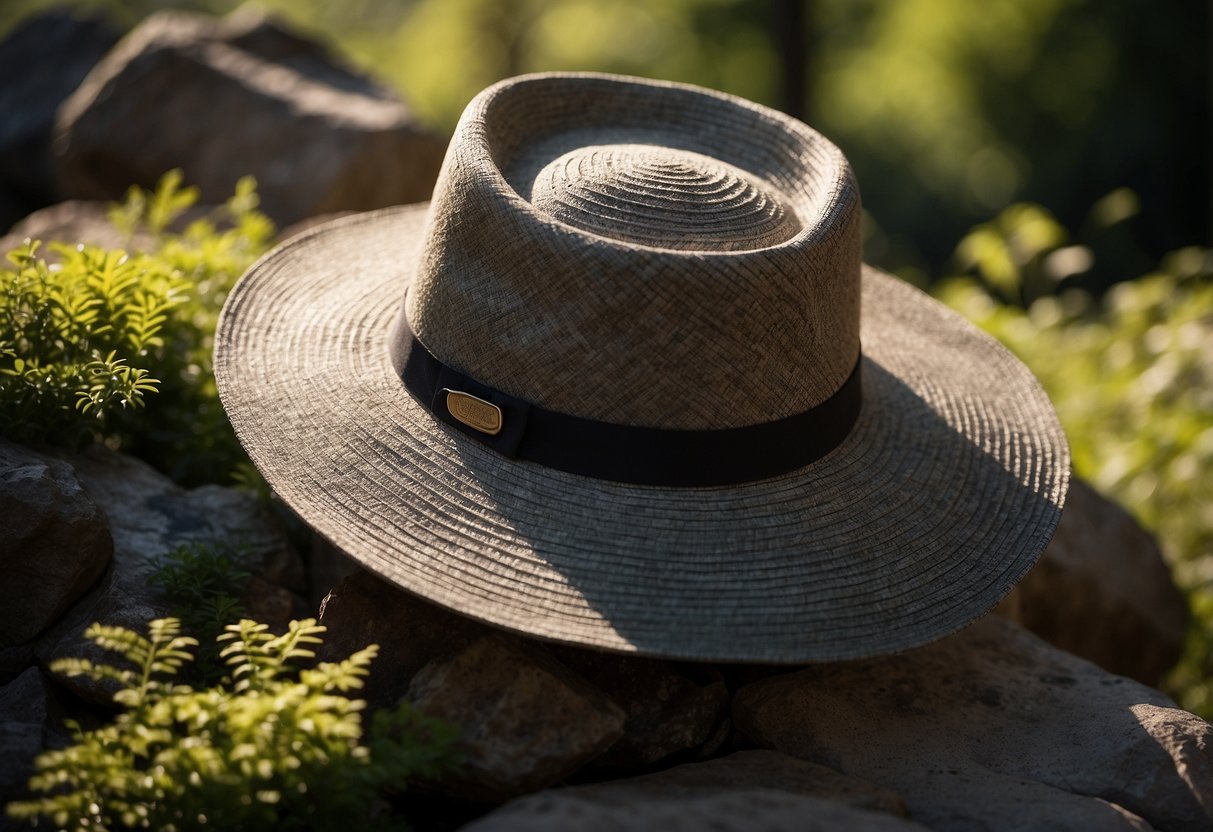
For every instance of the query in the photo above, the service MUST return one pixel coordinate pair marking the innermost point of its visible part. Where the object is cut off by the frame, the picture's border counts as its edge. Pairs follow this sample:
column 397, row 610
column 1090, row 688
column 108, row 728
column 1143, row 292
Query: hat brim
column 940, row 500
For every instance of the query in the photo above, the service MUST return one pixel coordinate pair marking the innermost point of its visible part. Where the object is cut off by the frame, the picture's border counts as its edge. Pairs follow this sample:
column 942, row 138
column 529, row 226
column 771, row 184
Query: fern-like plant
column 86, row 340
column 274, row 747
column 75, row 339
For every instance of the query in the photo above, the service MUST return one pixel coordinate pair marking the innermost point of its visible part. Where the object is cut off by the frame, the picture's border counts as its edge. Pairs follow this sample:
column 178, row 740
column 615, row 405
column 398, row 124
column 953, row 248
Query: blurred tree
column 950, row 110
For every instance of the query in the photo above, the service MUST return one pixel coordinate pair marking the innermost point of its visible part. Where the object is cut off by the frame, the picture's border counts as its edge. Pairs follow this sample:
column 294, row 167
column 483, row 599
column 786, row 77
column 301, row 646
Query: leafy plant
column 83, row 342
column 203, row 583
column 1131, row 376
column 274, row 747
column 75, row 340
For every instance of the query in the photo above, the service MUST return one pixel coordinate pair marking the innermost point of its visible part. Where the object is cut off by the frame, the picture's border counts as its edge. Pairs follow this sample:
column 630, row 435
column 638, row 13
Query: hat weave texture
column 656, row 255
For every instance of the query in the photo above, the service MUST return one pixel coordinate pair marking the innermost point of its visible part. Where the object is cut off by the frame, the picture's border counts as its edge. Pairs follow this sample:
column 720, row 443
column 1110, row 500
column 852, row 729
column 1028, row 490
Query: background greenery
column 1064, row 143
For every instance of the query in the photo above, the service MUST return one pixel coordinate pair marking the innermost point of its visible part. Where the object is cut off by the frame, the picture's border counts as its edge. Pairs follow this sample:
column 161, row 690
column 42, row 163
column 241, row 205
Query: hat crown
column 662, row 197
column 641, row 253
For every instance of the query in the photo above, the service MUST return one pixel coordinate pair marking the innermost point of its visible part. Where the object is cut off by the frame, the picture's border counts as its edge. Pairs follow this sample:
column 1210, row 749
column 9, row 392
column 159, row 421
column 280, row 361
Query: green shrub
column 85, row 340
column 202, row 583
column 1131, row 375
column 75, row 340
column 275, row 747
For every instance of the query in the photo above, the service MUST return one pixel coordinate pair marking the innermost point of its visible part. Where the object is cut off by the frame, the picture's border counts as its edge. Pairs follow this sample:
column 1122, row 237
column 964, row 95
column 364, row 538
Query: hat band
column 623, row 453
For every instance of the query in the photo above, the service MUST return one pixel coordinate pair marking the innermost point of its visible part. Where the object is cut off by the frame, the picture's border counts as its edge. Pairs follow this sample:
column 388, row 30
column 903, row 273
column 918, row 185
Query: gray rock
column 74, row 221
column 526, row 720
column 54, row 541
column 149, row 515
column 84, row 221
column 327, row 566
column 1103, row 591
column 42, row 60
column 753, row 770
column 364, row 609
column 743, row 810
column 993, row 729
column 745, row 791
column 670, row 708
column 24, row 708
column 224, row 98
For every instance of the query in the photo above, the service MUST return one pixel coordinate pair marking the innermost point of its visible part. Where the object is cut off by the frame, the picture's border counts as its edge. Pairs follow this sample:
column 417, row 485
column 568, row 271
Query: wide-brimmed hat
column 626, row 383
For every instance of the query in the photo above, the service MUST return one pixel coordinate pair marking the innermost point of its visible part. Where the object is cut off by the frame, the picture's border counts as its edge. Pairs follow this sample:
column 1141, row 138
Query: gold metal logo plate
column 473, row 412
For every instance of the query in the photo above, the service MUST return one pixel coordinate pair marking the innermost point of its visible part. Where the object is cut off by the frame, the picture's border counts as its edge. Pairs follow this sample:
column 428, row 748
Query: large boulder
column 744, row 791
column 241, row 95
column 1103, row 591
column 994, row 729
column 42, row 60
column 526, row 721
column 54, row 542
column 670, row 709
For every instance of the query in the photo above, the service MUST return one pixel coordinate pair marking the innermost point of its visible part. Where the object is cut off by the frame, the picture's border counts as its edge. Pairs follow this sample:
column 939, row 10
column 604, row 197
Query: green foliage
column 75, row 339
column 202, row 584
column 274, row 747
column 1131, row 375
column 85, row 340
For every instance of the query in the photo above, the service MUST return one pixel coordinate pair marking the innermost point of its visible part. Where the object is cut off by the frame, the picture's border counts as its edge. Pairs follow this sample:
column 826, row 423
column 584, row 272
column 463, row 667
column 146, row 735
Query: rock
column 747, row 790
column 364, row 609
column 149, row 516
column 1103, row 591
column 272, row 604
column 224, row 98
column 755, row 770
column 526, row 721
column 670, row 708
column 729, row 811
column 24, row 709
column 54, row 541
column 74, row 221
column 85, row 221
column 42, row 60
column 993, row 729
column 327, row 566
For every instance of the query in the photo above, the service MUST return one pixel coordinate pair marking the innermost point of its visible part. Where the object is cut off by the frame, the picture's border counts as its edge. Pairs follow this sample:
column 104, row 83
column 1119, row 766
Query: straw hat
column 607, row 389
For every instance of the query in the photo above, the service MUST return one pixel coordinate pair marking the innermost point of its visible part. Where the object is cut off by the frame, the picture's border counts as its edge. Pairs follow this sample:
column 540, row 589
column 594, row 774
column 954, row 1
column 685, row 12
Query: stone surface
column 745, row 791
column 671, row 708
column 755, row 770
column 85, row 221
column 54, row 541
column 24, row 708
column 994, row 729
column 1103, row 591
column 74, row 221
column 224, row 98
column 327, row 566
column 149, row 515
column 527, row 721
column 42, row 61
column 364, row 609
column 729, row 811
